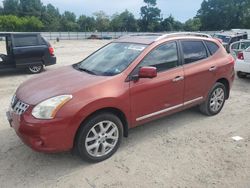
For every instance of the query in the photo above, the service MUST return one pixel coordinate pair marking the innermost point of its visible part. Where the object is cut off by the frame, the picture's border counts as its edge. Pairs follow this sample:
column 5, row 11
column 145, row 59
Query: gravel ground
column 183, row 150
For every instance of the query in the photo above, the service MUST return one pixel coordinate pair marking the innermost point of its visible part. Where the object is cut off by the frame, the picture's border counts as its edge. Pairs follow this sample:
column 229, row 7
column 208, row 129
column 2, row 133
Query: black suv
column 29, row 51
column 230, row 37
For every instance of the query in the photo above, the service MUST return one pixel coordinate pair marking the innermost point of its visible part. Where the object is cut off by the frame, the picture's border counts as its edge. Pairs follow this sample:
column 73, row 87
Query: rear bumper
column 50, row 61
column 242, row 66
column 48, row 136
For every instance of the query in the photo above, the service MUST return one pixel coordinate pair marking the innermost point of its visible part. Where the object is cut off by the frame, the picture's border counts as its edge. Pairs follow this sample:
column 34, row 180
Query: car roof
column 231, row 33
column 149, row 38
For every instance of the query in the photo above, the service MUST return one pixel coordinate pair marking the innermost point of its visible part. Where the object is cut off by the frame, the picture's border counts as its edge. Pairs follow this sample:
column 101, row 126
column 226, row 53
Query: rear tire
column 99, row 138
column 35, row 69
column 241, row 74
column 215, row 100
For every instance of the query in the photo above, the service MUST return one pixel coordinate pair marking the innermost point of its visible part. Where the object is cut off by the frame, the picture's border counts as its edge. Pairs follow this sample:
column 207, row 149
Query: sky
column 182, row 10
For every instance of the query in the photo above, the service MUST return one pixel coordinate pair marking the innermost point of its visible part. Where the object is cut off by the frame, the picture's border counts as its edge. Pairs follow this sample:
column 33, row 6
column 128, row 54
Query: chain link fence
column 86, row 35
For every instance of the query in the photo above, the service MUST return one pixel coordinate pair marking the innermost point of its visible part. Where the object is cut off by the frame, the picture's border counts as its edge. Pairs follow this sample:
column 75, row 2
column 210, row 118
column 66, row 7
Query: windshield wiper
column 86, row 70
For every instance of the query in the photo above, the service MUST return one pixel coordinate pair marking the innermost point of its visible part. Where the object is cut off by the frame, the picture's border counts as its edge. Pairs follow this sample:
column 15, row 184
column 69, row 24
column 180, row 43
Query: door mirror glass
column 147, row 72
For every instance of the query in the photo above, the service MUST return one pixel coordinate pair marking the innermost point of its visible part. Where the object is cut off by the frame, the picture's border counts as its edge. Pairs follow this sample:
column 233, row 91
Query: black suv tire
column 35, row 69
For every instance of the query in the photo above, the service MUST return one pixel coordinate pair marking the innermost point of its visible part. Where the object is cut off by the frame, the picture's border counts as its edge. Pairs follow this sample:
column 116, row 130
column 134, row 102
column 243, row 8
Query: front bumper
column 49, row 136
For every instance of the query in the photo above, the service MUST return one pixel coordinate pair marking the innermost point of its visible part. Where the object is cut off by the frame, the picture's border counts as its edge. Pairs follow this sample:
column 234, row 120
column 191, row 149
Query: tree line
column 33, row 15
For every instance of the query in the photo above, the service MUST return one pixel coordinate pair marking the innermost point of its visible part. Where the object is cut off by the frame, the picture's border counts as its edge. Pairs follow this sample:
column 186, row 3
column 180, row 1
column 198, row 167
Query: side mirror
column 147, row 72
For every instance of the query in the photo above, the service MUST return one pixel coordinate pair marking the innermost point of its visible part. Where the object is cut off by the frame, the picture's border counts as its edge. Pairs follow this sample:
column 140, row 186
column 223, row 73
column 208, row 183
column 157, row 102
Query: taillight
column 240, row 56
column 51, row 51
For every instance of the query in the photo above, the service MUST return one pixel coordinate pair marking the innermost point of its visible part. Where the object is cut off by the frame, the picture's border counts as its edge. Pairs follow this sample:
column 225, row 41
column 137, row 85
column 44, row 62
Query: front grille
column 18, row 106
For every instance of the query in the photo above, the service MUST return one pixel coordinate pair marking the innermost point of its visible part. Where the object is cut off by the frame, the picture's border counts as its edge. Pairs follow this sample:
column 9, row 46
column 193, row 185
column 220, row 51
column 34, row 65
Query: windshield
column 112, row 59
column 225, row 39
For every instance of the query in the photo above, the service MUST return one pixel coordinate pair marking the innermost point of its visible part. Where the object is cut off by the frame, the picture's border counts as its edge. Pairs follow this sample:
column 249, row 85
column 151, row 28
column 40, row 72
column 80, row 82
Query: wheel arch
column 225, row 82
column 112, row 110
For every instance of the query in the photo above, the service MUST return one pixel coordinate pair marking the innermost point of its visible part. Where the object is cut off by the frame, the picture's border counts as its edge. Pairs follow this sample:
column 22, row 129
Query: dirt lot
column 184, row 150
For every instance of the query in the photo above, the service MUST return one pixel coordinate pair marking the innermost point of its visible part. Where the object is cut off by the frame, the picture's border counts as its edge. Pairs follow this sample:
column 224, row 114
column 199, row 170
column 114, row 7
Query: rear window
column 245, row 45
column 235, row 46
column 193, row 51
column 212, row 47
column 25, row 40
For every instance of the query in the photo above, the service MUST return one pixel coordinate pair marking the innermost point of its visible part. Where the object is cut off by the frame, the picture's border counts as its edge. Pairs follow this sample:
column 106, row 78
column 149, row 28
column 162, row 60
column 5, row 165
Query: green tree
column 224, row 14
column 102, row 21
column 31, row 24
column 86, row 23
column 170, row 24
column 10, row 23
column 124, row 22
column 31, row 8
column 10, row 7
column 150, row 16
column 14, row 23
column 51, row 18
column 193, row 24
column 68, row 22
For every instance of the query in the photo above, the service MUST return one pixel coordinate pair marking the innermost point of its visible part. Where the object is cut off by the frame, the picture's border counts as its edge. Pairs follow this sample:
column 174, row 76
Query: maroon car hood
column 66, row 80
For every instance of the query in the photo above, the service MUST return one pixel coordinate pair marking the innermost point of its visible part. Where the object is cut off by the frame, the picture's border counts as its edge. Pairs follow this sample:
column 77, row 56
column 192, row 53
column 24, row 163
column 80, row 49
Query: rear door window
column 25, row 40
column 212, row 47
column 193, row 51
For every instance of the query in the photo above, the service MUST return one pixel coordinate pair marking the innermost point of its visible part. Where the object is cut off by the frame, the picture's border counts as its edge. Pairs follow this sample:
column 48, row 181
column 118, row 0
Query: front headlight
column 48, row 108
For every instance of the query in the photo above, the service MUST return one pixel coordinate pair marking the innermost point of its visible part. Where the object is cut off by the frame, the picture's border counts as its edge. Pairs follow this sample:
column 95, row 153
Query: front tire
column 100, row 137
column 215, row 101
column 35, row 69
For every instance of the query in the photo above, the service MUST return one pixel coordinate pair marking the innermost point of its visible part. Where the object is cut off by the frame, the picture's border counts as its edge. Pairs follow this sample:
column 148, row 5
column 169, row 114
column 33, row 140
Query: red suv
column 91, row 105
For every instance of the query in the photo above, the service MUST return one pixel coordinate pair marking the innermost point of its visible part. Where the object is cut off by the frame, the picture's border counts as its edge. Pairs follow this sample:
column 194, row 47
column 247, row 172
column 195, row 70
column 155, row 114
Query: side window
column 235, row 46
column 193, row 51
column 25, row 40
column 234, row 39
column 212, row 47
column 163, row 57
column 245, row 45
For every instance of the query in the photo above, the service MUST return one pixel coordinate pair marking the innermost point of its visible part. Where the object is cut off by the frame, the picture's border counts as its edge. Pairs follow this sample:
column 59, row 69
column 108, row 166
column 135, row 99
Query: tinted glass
column 112, row 59
column 235, row 46
column 234, row 39
column 28, row 40
column 225, row 39
column 245, row 45
column 163, row 58
column 193, row 51
column 212, row 47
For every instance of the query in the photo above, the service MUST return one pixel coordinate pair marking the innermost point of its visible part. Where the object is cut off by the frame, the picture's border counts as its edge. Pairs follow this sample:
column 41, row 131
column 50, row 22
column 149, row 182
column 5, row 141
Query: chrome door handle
column 212, row 69
column 178, row 78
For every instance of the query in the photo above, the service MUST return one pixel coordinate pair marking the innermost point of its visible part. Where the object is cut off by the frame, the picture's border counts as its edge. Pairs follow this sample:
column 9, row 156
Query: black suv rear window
column 193, row 51
column 212, row 47
column 25, row 40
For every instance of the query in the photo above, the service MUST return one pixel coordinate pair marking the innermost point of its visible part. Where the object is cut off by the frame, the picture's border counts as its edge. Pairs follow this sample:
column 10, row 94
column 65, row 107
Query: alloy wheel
column 102, row 138
column 35, row 69
column 217, row 100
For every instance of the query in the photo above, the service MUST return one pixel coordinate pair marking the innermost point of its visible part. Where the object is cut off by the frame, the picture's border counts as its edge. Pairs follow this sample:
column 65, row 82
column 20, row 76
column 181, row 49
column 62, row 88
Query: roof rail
column 184, row 34
column 143, row 34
